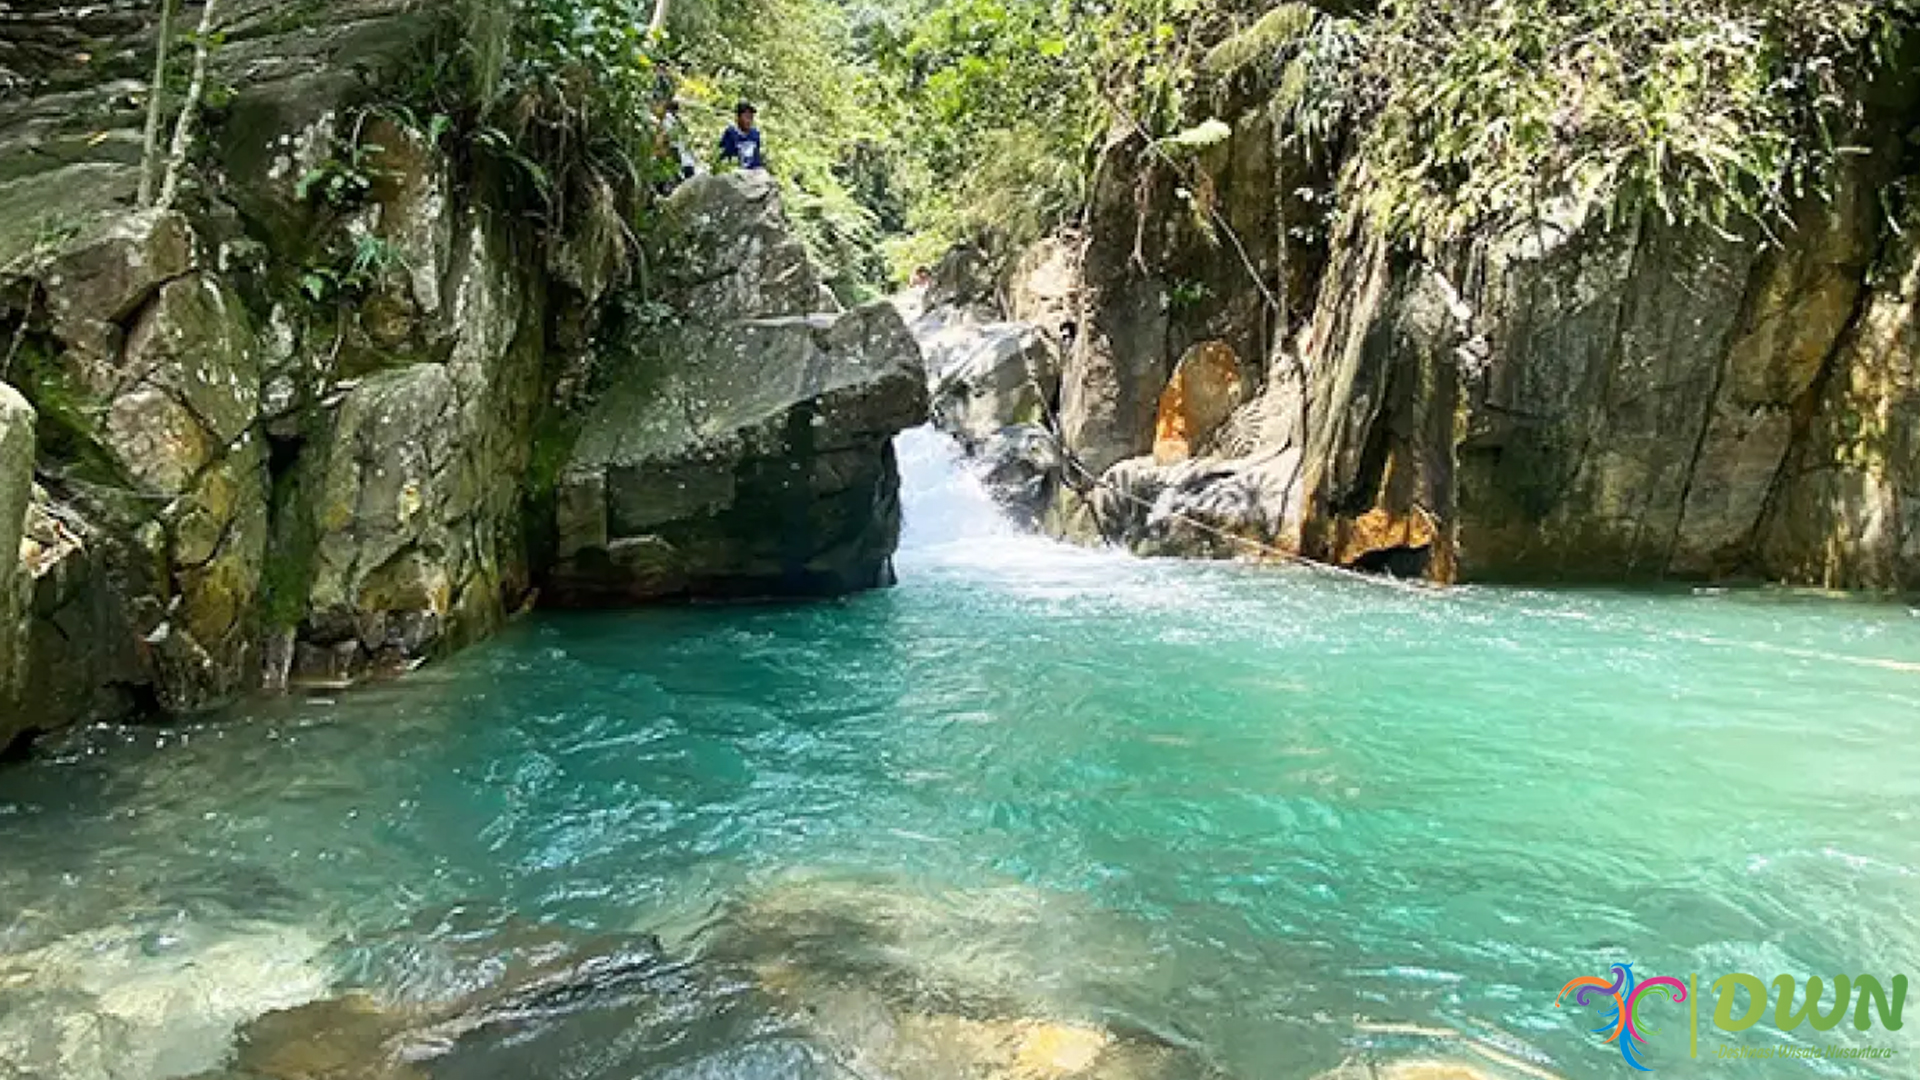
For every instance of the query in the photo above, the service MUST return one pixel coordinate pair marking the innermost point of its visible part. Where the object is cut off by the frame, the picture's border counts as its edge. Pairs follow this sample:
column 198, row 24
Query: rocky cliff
column 748, row 448
column 1575, row 397
column 346, row 403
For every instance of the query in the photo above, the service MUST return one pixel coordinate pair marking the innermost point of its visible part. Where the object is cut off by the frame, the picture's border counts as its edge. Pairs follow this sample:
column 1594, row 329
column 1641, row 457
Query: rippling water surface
column 1254, row 823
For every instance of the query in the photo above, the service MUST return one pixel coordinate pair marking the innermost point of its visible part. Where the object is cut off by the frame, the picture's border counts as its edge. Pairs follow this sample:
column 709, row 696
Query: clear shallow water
column 1276, row 820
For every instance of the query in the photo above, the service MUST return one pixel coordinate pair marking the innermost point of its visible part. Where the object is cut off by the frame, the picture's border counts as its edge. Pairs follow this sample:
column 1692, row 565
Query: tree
column 149, row 157
column 196, row 90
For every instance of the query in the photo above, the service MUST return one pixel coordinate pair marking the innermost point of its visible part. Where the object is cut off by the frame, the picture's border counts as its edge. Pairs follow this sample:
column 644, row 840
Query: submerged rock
column 881, row 1040
column 929, row 985
column 130, row 1004
column 1415, row 1070
column 811, row 976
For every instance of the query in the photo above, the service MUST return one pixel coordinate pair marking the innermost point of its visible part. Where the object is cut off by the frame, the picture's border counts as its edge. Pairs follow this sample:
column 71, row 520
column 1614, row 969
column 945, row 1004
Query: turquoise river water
column 1037, row 812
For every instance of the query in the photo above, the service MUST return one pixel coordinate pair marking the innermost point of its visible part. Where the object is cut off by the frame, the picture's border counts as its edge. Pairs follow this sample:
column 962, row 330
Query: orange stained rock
column 1380, row 529
column 1204, row 390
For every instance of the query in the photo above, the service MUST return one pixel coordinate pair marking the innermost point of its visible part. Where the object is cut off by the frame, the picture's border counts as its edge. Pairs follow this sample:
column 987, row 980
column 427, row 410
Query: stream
column 1037, row 812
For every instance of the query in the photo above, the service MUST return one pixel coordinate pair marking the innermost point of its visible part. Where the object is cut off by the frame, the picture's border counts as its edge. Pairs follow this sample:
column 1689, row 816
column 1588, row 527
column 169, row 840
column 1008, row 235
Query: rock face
column 1200, row 397
column 995, row 388
column 16, row 585
column 995, row 381
column 747, row 450
column 290, row 432
column 256, row 465
column 1574, row 399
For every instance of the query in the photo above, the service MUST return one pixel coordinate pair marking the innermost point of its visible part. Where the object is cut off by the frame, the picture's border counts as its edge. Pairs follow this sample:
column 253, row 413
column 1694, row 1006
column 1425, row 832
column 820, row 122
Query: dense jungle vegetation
column 901, row 126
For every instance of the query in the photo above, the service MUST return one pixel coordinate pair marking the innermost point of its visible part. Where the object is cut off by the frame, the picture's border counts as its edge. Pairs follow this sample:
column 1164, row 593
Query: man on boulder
column 740, row 143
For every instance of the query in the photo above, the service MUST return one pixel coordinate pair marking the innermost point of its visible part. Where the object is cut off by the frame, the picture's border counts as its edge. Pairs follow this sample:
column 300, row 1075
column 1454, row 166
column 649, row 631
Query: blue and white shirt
column 742, row 146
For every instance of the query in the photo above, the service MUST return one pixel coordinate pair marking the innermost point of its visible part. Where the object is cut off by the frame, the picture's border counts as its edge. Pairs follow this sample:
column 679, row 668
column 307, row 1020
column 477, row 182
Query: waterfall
column 942, row 501
column 952, row 527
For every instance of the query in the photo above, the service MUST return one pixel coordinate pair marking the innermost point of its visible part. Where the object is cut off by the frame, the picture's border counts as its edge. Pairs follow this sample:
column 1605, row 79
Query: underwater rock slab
column 809, row 976
column 130, row 1003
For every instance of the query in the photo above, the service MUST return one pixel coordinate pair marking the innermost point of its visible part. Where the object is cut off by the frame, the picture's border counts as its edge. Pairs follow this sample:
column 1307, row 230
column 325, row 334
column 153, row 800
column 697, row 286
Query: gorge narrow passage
column 1037, row 812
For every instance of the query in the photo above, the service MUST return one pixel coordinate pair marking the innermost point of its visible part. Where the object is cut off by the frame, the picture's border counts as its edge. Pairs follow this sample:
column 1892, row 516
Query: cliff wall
column 318, row 418
column 1578, row 397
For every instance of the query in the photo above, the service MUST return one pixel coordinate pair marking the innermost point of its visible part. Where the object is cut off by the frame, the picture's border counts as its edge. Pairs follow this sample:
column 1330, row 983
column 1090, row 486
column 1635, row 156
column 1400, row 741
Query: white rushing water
column 943, row 502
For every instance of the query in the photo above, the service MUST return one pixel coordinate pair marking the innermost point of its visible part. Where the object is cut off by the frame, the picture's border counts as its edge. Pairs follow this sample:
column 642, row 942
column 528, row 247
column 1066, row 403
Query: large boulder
column 73, row 656
column 1003, row 374
column 723, row 250
column 746, row 451
column 1246, row 508
column 1021, row 467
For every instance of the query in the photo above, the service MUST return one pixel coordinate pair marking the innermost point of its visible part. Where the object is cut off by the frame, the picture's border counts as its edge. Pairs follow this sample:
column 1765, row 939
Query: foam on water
column 943, row 505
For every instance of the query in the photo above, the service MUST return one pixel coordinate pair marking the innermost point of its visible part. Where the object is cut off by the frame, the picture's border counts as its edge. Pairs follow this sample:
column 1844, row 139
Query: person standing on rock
column 740, row 143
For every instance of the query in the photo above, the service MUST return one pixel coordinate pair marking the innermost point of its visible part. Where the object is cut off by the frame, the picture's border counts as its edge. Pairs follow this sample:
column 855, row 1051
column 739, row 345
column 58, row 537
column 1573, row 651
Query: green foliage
column 1448, row 116
column 1468, row 113
column 1188, row 294
column 68, row 418
column 1006, row 104
column 564, row 94
column 356, row 274
column 1280, row 27
column 559, row 93
column 340, row 182
column 820, row 108
column 900, row 126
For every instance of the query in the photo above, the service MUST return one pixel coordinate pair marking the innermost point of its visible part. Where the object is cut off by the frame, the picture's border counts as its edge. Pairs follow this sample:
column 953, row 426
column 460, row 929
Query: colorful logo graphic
column 1620, row 1000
